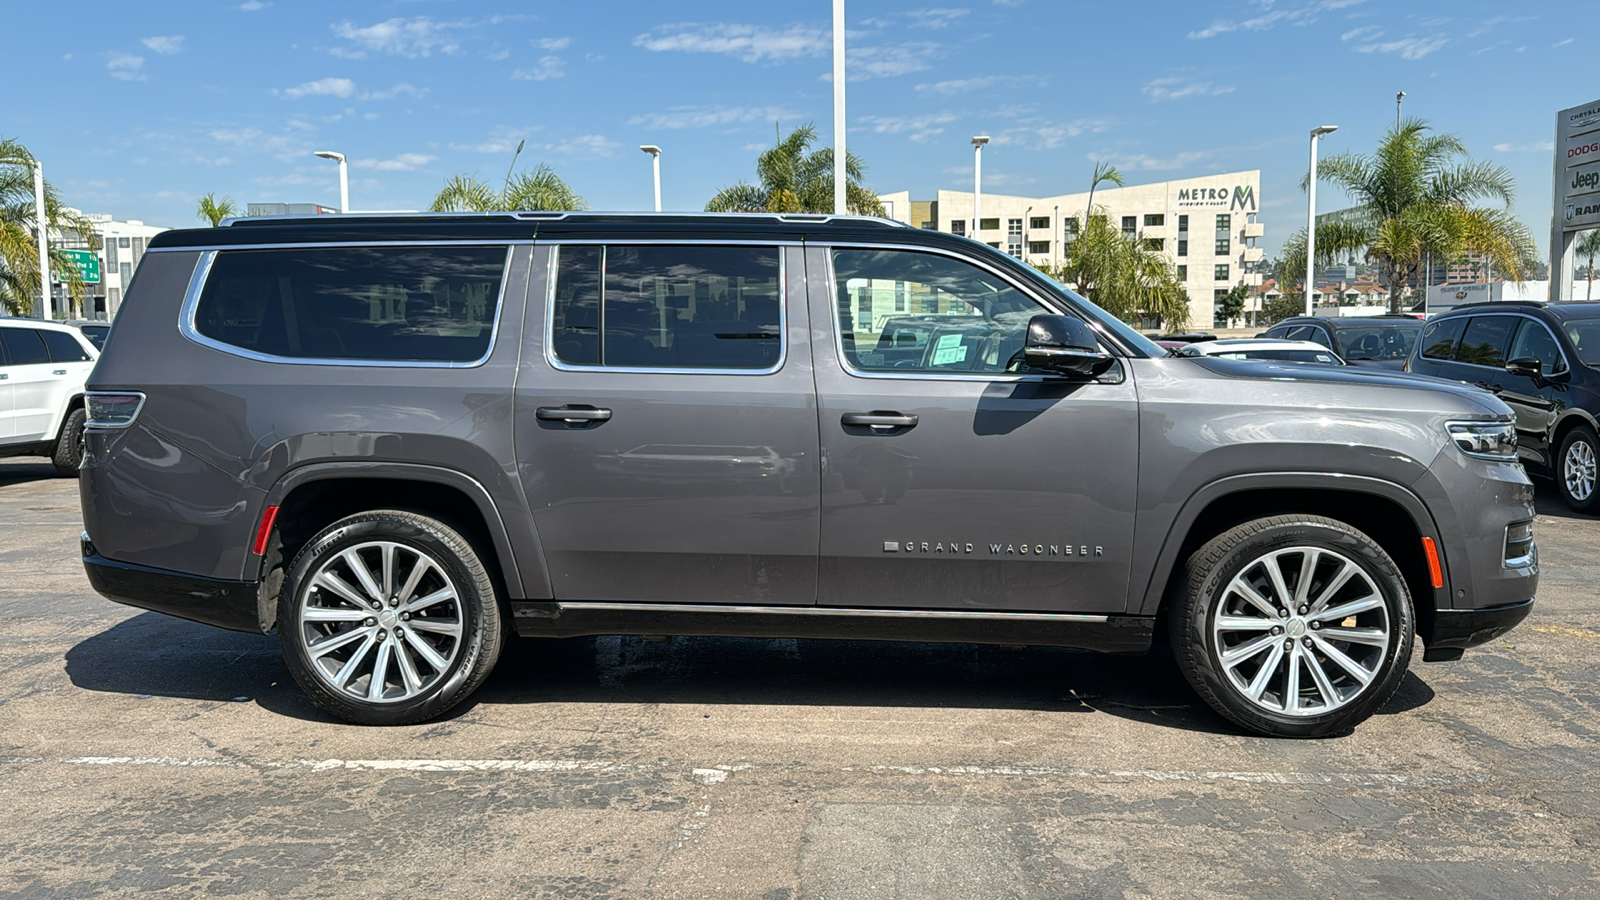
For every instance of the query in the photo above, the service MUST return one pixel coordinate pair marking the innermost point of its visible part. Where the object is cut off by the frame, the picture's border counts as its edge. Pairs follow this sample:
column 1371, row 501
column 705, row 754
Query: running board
column 1108, row 634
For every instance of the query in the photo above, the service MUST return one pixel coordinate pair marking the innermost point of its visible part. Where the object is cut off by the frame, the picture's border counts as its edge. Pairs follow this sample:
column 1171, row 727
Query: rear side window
column 1440, row 338
column 395, row 304
column 24, row 347
column 667, row 307
column 63, row 347
column 1485, row 342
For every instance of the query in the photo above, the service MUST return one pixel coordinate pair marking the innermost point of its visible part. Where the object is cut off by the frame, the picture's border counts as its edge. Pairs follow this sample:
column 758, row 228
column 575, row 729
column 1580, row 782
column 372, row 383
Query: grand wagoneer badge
column 967, row 548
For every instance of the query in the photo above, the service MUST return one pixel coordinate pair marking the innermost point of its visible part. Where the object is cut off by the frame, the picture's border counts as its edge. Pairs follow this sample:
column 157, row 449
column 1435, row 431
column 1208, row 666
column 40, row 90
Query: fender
column 528, row 580
column 1571, row 412
column 1166, row 560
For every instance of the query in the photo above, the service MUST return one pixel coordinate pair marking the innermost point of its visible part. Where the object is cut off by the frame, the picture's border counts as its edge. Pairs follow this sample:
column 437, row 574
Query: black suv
column 1381, row 342
column 1537, row 358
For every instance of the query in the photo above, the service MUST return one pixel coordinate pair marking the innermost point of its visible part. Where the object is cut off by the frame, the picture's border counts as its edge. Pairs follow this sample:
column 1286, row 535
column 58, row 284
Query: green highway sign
column 87, row 262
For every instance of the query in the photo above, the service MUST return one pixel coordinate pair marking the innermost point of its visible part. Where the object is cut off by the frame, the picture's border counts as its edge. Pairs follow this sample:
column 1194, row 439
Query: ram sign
column 1577, row 189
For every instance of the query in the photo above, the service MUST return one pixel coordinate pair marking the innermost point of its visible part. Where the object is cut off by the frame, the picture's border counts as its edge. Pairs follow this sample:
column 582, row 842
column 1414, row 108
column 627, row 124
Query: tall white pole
column 344, row 185
column 1311, row 225
column 977, row 182
column 47, row 310
column 655, row 169
column 839, row 154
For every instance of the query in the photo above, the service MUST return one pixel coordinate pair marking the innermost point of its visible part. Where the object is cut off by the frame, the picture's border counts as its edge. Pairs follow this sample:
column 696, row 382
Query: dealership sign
column 1232, row 197
column 1577, row 168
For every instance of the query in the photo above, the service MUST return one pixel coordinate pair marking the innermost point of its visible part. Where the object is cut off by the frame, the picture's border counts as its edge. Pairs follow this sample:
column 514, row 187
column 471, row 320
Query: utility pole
column 1397, row 98
column 839, row 153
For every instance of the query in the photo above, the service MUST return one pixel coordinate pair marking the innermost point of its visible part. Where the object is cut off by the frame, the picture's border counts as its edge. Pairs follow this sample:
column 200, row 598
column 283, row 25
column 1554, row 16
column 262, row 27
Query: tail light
column 112, row 409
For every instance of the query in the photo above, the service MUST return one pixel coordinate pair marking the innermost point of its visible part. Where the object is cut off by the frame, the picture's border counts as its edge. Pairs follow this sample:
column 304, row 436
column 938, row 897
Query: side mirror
column 1527, row 367
column 1066, row 346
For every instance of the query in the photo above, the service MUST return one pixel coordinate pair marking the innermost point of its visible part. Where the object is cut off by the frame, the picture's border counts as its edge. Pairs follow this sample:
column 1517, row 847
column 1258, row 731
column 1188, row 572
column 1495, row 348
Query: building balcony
column 1255, row 230
column 1254, row 254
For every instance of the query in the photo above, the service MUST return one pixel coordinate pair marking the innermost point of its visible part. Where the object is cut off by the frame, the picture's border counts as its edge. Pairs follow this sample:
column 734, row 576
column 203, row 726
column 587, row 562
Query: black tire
column 69, row 445
column 1246, row 551
column 1573, row 476
column 473, row 611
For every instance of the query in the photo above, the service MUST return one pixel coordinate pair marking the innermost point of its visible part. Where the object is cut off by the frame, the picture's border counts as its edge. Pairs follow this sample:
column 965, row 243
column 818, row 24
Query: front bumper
column 1454, row 630
column 226, row 604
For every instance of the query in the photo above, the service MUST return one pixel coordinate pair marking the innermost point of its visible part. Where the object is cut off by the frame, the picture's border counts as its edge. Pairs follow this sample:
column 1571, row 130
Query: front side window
column 667, row 307
column 1534, row 341
column 1585, row 337
column 1485, row 341
column 24, row 346
column 978, row 324
column 394, row 304
column 1440, row 338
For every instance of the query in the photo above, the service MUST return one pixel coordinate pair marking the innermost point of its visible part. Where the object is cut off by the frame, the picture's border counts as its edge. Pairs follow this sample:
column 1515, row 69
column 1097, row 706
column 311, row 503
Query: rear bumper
column 1454, row 630
column 226, row 604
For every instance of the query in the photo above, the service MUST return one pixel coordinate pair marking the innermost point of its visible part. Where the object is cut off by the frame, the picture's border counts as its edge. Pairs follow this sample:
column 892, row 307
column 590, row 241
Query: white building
column 121, row 249
column 1207, row 226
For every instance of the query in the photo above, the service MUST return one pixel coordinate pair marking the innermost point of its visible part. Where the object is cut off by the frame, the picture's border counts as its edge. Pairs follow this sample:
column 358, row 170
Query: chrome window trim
column 1502, row 369
column 202, row 271
column 838, row 331
column 550, row 306
column 295, row 245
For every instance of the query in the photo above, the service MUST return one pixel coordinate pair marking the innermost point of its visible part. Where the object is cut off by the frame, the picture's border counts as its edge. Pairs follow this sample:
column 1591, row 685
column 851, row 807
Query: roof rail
column 556, row 216
column 1535, row 303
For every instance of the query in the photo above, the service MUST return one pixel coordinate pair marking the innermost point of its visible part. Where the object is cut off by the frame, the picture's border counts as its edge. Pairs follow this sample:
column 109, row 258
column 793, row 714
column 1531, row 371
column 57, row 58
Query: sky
column 139, row 109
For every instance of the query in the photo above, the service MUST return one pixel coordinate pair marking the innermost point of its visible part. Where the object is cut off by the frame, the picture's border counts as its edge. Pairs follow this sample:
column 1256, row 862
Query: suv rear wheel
column 389, row 618
column 1293, row 626
column 1575, row 470
column 69, row 446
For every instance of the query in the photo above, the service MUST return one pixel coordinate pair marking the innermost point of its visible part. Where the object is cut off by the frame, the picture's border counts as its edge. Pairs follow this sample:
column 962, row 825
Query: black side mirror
column 1527, row 367
column 1066, row 346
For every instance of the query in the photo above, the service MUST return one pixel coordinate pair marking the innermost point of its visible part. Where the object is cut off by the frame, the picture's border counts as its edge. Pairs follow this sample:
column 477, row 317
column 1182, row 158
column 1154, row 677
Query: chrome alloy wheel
column 381, row 622
column 1301, row 631
column 1578, row 470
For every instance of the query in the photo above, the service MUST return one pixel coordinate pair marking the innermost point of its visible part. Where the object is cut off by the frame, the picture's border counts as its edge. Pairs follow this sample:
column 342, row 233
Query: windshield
column 1322, row 357
column 1585, row 337
column 1389, row 340
column 1121, row 329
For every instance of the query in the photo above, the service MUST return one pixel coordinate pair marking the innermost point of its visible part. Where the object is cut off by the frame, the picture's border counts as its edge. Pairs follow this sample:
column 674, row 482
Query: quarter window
column 977, row 323
column 63, row 348
column 1440, row 338
column 1485, row 342
column 400, row 304
column 668, row 307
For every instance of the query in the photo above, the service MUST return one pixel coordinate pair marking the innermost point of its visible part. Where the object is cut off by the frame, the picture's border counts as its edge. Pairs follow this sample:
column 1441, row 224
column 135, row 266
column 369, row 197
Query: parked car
column 1264, row 348
column 43, row 367
column 1381, row 342
column 394, row 438
column 93, row 329
column 1539, row 358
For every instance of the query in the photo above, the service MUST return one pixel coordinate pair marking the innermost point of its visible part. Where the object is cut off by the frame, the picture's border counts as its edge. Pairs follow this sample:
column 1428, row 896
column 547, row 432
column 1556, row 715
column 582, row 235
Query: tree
column 214, row 211
column 1103, row 173
column 1589, row 246
column 790, row 180
column 1231, row 304
column 1122, row 276
column 1281, row 307
column 1412, row 198
column 19, row 244
column 540, row 190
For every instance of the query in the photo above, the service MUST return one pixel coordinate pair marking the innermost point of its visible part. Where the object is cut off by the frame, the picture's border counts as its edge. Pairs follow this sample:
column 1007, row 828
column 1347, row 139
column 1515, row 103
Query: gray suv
column 396, row 439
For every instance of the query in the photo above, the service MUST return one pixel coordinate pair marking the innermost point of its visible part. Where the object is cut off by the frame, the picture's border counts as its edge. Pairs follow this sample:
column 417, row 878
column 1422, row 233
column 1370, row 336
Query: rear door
column 8, row 409
column 34, row 383
column 666, row 422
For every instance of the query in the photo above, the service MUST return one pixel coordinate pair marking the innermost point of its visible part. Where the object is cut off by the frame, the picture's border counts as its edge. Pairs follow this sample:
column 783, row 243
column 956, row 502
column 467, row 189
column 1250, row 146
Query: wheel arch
column 1572, row 418
column 1387, row 512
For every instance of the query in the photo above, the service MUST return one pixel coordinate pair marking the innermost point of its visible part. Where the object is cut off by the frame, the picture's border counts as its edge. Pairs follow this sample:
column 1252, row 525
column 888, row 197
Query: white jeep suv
column 42, row 370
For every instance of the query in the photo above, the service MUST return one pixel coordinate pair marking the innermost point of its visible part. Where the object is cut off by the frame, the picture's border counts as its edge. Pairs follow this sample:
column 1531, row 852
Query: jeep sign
column 1576, row 205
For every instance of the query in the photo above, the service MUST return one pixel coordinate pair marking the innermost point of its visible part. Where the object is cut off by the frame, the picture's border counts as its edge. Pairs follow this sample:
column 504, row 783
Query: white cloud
column 889, row 61
column 1177, row 88
column 1142, row 162
column 1563, row 43
column 253, row 5
column 502, row 139
column 400, row 88
column 166, row 45
column 413, row 37
column 1271, row 15
column 1408, row 48
column 749, row 43
column 548, row 67
column 1363, row 33
column 252, row 140
column 560, row 43
column 126, row 66
column 675, row 117
column 405, row 162
column 1533, row 147
column 918, row 128
column 322, row 87
column 584, row 145
column 936, row 18
column 1048, row 135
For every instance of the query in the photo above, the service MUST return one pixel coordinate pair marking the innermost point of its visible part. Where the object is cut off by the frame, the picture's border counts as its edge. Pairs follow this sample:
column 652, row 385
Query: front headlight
column 1489, row 440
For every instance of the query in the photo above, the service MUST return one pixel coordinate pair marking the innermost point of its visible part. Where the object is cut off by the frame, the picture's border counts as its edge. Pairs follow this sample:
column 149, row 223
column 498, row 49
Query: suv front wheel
column 389, row 618
column 1293, row 626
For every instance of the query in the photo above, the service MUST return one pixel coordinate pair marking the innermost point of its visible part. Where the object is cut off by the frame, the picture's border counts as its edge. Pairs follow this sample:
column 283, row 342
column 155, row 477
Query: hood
column 1351, row 375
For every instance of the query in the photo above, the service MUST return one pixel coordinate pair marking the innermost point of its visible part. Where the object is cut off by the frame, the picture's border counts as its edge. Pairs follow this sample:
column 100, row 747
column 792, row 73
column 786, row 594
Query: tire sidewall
column 1195, row 628
column 69, row 444
column 1587, row 435
column 480, row 619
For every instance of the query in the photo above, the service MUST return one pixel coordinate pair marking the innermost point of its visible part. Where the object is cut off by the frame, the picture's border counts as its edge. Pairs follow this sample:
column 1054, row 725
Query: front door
column 666, row 423
column 1536, row 401
column 959, row 480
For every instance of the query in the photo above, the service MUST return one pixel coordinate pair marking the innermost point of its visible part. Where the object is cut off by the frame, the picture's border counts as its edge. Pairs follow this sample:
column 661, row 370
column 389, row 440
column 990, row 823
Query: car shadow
column 157, row 655
column 23, row 469
column 1547, row 502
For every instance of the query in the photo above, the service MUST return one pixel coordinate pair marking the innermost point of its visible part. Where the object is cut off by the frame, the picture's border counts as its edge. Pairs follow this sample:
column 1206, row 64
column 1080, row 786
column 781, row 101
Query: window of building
column 670, row 307
column 1155, row 243
column 1038, row 246
column 1183, row 273
column 113, row 296
column 1154, row 219
column 927, row 226
column 1183, row 247
column 111, row 255
column 1183, row 224
column 124, row 243
column 1130, row 226
column 1218, row 320
column 1014, row 237
column 1224, row 246
column 418, row 303
column 1220, row 273
column 1069, row 229
column 126, row 271
column 989, row 224
column 1224, row 223
column 980, row 327
column 1039, row 222
column 957, row 226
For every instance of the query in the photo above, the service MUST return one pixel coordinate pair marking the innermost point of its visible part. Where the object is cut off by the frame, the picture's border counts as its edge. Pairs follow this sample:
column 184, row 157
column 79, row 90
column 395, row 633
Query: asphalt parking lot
column 142, row 753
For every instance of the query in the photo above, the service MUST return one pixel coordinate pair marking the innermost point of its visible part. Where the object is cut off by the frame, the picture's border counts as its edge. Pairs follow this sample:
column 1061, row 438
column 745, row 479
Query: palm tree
column 794, row 181
column 1412, row 198
column 1589, row 246
column 19, row 245
column 214, row 211
column 539, row 190
column 1103, row 173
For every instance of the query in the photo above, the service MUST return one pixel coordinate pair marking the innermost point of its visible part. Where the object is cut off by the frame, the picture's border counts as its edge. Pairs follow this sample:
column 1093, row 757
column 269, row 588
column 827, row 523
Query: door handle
column 572, row 414
column 58, row 372
column 879, row 420
column 4, row 376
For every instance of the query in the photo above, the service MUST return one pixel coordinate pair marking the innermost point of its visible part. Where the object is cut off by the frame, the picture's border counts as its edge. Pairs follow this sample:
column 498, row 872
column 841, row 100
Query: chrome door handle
column 572, row 414
column 58, row 372
column 4, row 376
column 879, row 420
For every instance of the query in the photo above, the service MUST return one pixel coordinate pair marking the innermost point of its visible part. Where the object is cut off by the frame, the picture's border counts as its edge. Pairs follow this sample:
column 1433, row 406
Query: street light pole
column 1397, row 98
column 655, row 164
column 977, row 182
column 839, row 152
column 1311, row 214
column 344, row 177
column 47, row 307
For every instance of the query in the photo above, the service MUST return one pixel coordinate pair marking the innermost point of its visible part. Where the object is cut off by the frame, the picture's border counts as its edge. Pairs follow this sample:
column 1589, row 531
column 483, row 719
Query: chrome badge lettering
column 1024, row 549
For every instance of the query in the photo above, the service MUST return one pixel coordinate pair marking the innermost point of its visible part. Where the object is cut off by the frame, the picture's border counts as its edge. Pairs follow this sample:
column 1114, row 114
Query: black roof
column 1340, row 321
column 522, row 226
column 1567, row 309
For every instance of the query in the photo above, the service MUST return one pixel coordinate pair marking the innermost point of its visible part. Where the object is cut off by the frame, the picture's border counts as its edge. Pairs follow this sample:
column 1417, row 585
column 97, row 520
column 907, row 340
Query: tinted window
column 1377, row 340
column 430, row 304
column 1440, row 338
column 1277, row 331
column 1534, row 341
column 96, row 334
column 1485, row 342
column 1585, row 337
column 63, row 347
column 667, row 307
column 24, row 346
column 1313, row 333
column 979, row 322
